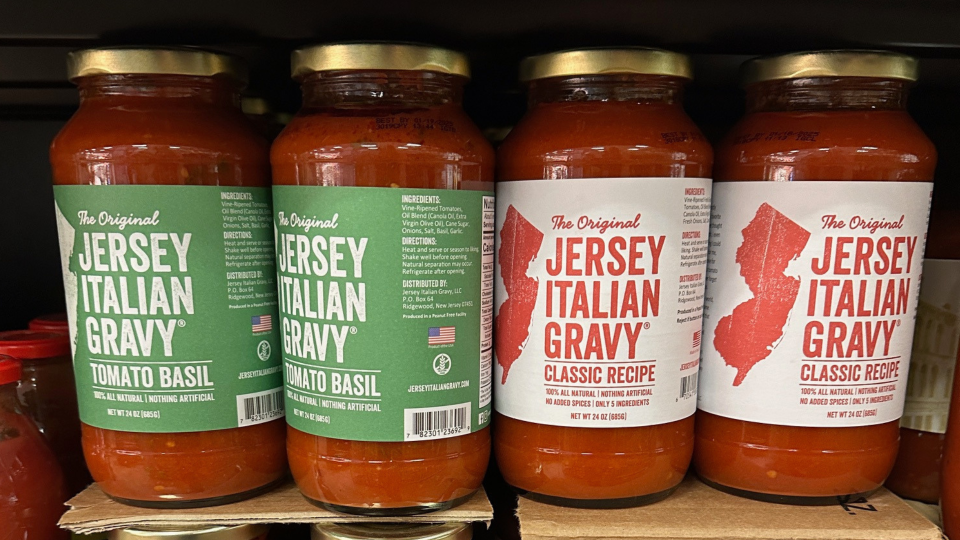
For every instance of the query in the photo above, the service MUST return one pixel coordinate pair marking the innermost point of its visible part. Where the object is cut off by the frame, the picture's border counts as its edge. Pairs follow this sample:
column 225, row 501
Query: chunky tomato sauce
column 343, row 137
column 644, row 135
column 851, row 129
column 169, row 130
column 31, row 482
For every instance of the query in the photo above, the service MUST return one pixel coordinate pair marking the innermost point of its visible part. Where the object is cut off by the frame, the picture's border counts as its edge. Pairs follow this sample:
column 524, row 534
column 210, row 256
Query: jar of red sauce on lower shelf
column 819, row 221
column 384, row 215
column 163, row 207
column 916, row 474
column 46, row 391
column 31, row 483
column 53, row 322
column 603, row 201
column 391, row 531
column 198, row 532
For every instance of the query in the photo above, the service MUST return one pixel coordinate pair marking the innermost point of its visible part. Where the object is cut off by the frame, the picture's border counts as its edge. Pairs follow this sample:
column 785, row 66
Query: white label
column 259, row 407
column 811, row 298
column 599, row 293
column 431, row 423
column 934, row 348
column 487, row 246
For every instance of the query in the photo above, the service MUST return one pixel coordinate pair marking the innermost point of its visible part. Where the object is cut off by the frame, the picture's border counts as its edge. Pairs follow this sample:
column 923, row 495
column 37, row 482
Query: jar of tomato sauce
column 391, row 531
column 950, row 480
column 819, row 221
column 31, row 484
column 603, row 200
column 916, row 474
column 200, row 532
column 384, row 214
column 46, row 391
column 163, row 206
column 52, row 322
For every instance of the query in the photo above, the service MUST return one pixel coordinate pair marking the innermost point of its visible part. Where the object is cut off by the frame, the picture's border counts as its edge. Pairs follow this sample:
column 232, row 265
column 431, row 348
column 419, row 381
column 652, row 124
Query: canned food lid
column 392, row 531
column 10, row 369
column 373, row 56
column 255, row 106
column 198, row 532
column 835, row 63
column 32, row 344
column 52, row 322
column 154, row 61
column 635, row 60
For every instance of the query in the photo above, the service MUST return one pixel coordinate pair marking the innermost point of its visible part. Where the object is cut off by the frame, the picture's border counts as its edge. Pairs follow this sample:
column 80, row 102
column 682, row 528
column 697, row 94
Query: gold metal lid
column 386, row 56
column 154, row 61
column 838, row 63
column 392, row 531
column 639, row 60
column 255, row 106
column 199, row 532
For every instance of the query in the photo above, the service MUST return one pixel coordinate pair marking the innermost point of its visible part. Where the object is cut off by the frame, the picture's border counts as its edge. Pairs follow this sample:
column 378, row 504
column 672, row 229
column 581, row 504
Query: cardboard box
column 697, row 512
column 91, row 511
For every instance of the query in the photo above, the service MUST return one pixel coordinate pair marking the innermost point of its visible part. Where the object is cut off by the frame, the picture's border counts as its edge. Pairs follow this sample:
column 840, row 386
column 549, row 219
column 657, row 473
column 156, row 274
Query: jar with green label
column 164, row 215
column 384, row 221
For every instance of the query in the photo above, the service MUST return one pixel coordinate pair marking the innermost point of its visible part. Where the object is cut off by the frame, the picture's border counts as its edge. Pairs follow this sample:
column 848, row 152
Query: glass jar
column 163, row 208
column 31, row 483
column 950, row 481
column 52, row 322
column 382, row 192
column 597, row 315
column 391, row 531
column 819, row 219
column 198, row 532
column 46, row 391
column 916, row 474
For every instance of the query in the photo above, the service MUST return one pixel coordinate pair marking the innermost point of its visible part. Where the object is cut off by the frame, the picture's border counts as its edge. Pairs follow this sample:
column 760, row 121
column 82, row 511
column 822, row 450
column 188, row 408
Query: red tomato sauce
column 31, row 482
column 813, row 461
column 560, row 139
column 916, row 474
column 321, row 146
column 169, row 130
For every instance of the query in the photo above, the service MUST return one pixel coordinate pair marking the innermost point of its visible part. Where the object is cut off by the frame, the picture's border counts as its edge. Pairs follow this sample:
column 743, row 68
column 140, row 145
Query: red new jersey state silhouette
column 747, row 336
column 520, row 242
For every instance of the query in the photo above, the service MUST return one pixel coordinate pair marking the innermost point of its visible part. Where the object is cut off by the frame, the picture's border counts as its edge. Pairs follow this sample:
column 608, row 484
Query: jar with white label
column 816, row 246
column 603, row 200
column 936, row 341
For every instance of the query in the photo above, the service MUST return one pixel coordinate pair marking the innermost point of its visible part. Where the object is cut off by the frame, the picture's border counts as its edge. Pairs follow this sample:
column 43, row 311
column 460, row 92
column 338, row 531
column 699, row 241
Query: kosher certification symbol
column 263, row 350
column 441, row 364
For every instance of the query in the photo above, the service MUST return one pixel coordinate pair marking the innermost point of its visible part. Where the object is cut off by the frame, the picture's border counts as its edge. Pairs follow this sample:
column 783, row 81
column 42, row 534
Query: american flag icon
column 441, row 335
column 696, row 338
column 261, row 323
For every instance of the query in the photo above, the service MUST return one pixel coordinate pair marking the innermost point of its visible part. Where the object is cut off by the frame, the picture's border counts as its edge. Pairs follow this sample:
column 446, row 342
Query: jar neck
column 173, row 89
column 822, row 93
column 628, row 88
column 377, row 89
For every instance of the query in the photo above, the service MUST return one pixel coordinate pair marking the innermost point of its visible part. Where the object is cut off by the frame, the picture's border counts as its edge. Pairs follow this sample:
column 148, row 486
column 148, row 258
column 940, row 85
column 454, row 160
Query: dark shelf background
column 35, row 98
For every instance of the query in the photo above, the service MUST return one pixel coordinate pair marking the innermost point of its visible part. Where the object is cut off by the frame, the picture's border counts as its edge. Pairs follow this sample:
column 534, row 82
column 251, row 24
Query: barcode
column 688, row 386
column 259, row 407
column 436, row 423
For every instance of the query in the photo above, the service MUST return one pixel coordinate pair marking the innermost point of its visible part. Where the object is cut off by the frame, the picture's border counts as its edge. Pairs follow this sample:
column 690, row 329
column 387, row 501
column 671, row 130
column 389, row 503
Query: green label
column 386, row 310
column 172, row 303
